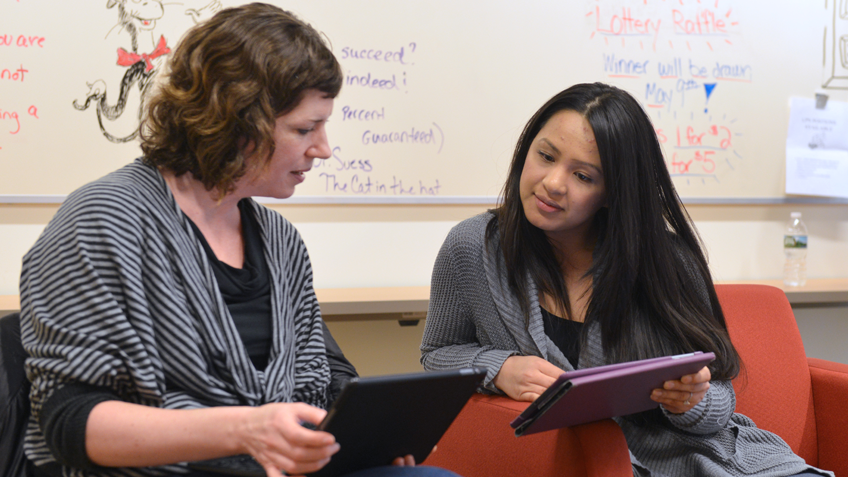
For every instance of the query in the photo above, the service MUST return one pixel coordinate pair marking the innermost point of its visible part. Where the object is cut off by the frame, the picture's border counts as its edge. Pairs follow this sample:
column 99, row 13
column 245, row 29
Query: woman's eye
column 583, row 177
column 304, row 132
column 546, row 157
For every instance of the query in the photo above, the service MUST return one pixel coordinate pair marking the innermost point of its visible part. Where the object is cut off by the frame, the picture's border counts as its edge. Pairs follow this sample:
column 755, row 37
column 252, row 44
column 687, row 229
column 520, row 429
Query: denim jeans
column 394, row 471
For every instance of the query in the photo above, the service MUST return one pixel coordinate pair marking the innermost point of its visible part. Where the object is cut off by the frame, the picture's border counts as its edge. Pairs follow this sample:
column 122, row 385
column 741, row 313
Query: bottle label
column 794, row 241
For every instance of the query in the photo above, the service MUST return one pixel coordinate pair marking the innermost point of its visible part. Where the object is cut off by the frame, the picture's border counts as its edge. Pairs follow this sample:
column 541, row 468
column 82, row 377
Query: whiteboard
column 436, row 92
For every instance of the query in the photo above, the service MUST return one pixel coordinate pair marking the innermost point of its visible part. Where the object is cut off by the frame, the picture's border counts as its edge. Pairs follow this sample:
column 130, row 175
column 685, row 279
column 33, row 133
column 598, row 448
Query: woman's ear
column 245, row 146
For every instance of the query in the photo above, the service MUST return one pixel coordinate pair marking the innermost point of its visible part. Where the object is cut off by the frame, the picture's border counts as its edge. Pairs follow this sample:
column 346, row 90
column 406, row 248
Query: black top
column 247, row 294
column 247, row 290
column 565, row 334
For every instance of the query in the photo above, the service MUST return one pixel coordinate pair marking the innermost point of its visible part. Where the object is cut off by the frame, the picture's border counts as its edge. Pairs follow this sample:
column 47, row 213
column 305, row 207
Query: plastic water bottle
column 795, row 249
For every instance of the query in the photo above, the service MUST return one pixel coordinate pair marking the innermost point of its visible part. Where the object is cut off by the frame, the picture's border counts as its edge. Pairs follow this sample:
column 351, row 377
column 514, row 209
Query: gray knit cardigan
column 118, row 293
column 475, row 320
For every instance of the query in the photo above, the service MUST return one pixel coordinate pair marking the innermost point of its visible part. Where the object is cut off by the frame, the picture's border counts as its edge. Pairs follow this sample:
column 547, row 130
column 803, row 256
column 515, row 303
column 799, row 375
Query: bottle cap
column 795, row 215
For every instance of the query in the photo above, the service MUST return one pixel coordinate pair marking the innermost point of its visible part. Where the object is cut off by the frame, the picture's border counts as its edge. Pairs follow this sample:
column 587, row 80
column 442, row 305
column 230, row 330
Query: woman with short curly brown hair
column 170, row 318
column 227, row 84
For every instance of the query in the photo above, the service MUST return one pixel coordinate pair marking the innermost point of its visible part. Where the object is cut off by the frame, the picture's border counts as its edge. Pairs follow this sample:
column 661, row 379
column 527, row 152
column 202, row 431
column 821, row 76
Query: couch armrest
column 481, row 443
column 830, row 393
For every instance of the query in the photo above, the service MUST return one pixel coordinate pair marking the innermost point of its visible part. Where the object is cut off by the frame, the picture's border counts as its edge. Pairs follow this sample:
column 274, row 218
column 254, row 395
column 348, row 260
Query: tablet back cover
column 378, row 419
column 618, row 390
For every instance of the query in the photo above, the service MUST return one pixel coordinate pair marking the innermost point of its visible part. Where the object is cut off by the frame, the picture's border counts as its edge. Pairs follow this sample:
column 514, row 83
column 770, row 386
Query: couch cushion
column 481, row 443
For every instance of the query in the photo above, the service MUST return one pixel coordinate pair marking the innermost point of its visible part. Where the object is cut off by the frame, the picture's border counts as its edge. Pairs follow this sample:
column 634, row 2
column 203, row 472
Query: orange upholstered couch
column 804, row 400
column 481, row 443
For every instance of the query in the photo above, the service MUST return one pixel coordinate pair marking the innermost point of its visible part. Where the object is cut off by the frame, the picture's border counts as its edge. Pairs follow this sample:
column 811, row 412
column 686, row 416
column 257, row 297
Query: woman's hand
column 682, row 395
column 524, row 378
column 406, row 461
column 274, row 436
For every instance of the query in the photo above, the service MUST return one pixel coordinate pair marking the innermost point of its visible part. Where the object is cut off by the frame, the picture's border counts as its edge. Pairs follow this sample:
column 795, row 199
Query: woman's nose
column 321, row 148
column 555, row 182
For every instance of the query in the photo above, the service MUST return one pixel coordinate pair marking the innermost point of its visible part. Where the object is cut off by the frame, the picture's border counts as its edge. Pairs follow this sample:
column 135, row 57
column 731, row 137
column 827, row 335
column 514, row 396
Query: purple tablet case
column 592, row 394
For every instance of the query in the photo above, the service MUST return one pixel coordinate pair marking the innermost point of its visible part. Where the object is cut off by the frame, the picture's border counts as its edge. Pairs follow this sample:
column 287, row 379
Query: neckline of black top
column 565, row 334
column 247, row 290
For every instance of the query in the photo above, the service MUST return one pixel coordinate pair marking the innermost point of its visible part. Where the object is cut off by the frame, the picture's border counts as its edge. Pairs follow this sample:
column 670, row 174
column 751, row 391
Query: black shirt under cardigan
column 565, row 334
column 247, row 293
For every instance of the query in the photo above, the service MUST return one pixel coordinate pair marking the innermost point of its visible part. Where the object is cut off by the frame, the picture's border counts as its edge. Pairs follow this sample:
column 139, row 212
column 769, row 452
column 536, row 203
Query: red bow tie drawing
column 126, row 58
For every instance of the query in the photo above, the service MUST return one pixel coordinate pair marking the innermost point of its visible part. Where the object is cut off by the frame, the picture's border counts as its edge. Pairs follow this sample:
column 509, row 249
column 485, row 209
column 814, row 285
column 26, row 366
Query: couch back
column 774, row 386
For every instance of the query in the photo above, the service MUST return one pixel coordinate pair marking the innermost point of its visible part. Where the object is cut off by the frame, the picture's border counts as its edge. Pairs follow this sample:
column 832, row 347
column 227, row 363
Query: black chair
column 14, row 399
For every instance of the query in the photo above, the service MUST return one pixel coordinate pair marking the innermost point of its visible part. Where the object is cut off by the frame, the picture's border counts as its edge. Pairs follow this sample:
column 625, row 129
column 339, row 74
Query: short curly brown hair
column 228, row 80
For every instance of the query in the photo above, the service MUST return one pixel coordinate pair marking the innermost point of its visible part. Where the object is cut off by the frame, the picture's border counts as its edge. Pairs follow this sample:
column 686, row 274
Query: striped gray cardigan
column 475, row 320
column 118, row 293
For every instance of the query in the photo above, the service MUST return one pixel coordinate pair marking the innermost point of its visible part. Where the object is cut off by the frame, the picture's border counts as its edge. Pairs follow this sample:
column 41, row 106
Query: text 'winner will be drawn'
column 677, row 77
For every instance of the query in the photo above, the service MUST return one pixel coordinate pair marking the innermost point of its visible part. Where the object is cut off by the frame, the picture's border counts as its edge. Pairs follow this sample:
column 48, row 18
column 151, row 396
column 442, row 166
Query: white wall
column 15, row 240
column 362, row 246
column 746, row 242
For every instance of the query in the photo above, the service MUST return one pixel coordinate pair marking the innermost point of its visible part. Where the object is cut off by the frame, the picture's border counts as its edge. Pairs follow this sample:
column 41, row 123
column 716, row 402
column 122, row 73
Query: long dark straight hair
column 652, row 293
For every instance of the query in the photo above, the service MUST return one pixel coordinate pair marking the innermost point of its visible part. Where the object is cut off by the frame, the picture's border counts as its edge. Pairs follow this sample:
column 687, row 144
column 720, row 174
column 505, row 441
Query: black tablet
column 377, row 419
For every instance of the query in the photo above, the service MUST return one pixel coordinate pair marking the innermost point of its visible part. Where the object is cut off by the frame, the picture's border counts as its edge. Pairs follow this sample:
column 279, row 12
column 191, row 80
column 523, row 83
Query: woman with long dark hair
column 591, row 259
